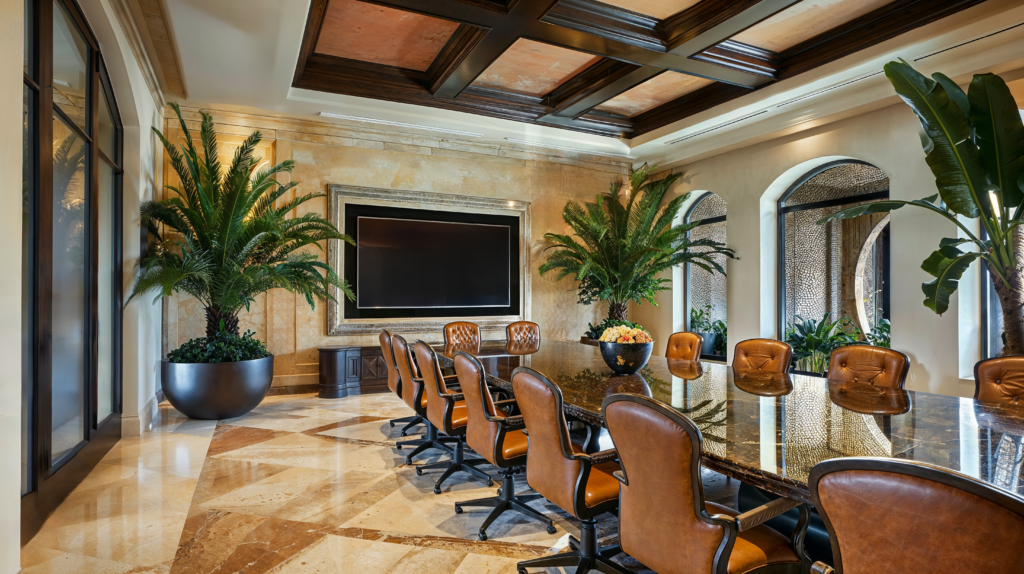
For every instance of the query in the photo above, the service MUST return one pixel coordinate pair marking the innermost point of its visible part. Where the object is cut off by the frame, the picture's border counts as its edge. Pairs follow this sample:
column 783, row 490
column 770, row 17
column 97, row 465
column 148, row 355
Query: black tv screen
column 406, row 263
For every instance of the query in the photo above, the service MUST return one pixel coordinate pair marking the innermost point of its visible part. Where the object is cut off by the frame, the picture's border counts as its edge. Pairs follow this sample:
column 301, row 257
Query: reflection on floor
column 301, row 485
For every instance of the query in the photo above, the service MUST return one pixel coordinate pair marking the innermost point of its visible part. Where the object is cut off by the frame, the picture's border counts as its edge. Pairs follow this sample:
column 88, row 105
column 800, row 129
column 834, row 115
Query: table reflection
column 771, row 430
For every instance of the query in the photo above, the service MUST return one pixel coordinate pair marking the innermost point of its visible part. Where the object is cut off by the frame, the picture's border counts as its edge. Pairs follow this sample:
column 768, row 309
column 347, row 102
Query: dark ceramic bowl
column 626, row 358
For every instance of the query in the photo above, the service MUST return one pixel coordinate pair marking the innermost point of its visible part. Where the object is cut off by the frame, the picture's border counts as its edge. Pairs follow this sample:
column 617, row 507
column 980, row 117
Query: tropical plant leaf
column 883, row 206
column 953, row 158
column 999, row 134
column 947, row 265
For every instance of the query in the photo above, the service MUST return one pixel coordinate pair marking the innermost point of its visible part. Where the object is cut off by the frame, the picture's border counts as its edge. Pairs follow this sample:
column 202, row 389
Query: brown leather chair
column 395, row 381
column 412, row 394
column 664, row 520
column 766, row 355
column 1000, row 380
column 579, row 483
column 494, row 435
column 889, row 516
column 461, row 333
column 684, row 345
column 447, row 411
column 522, row 332
column 868, row 364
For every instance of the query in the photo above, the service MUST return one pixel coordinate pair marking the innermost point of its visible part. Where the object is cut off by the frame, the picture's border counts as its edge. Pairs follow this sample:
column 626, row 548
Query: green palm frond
column 623, row 240
column 225, row 237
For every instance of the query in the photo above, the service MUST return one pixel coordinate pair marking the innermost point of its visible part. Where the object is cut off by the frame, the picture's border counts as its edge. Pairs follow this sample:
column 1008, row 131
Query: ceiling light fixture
column 566, row 148
column 400, row 124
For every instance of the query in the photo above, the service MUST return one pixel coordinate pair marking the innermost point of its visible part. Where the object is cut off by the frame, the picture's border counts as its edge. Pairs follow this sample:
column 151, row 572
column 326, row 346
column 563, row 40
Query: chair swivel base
column 412, row 421
column 584, row 555
column 505, row 501
column 431, row 440
column 456, row 464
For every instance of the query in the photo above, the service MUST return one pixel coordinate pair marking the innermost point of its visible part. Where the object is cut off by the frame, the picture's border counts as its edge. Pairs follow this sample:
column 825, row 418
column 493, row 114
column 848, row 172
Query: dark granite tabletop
column 770, row 430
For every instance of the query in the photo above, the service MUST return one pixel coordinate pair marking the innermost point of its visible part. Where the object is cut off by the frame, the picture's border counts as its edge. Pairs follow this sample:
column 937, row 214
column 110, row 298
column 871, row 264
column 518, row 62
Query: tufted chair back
column 867, row 364
column 522, row 333
column 389, row 362
column 684, row 345
column 1000, row 380
column 481, row 433
column 869, row 503
column 433, row 383
column 461, row 334
column 766, row 355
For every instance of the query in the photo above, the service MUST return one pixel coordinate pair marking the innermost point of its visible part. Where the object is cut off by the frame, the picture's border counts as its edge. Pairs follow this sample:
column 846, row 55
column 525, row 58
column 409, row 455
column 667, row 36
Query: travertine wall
column 327, row 153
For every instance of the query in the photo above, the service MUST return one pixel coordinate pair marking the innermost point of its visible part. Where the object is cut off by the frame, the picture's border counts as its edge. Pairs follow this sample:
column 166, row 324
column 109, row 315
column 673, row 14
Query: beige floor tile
column 178, row 454
column 336, row 554
column 481, row 564
column 313, row 452
column 75, row 564
column 377, row 431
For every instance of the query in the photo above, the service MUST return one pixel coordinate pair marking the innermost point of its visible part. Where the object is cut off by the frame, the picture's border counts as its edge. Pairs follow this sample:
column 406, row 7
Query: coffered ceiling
column 621, row 68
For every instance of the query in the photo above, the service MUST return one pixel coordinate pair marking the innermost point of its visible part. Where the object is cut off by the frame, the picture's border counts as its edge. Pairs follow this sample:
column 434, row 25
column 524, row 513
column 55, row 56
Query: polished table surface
column 770, row 430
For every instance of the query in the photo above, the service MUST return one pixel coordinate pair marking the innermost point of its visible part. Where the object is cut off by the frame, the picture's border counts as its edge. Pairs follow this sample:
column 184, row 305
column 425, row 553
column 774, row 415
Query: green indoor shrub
column 222, row 347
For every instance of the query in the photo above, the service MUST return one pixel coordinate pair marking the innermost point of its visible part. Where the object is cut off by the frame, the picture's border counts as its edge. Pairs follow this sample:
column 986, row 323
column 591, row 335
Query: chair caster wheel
column 552, row 529
column 403, row 433
column 482, row 536
column 437, row 490
column 392, row 425
column 398, row 446
column 521, row 570
column 419, row 471
column 499, row 491
column 490, row 483
column 408, row 460
column 458, row 510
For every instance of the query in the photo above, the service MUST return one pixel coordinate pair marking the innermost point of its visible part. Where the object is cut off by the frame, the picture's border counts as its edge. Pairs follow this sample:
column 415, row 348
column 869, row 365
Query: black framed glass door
column 71, row 247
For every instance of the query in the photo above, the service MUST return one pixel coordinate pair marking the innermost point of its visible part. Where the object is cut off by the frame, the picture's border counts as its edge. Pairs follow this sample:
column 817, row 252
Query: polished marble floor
column 300, row 485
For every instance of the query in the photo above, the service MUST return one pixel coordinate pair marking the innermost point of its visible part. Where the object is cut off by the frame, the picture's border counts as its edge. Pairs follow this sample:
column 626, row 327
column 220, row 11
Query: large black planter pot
column 626, row 358
column 708, row 347
column 213, row 391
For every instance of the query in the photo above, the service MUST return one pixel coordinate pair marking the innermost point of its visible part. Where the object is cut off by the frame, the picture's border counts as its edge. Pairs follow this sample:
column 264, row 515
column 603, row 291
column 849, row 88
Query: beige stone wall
column 328, row 153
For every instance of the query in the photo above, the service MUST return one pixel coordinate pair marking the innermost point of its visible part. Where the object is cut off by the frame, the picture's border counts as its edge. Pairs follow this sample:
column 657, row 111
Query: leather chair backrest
column 389, row 362
column 433, row 383
column 1000, row 380
column 659, row 451
column 871, row 365
column 766, row 355
column 461, row 333
column 403, row 360
column 481, row 434
column 522, row 332
column 684, row 345
column 549, row 471
column 887, row 516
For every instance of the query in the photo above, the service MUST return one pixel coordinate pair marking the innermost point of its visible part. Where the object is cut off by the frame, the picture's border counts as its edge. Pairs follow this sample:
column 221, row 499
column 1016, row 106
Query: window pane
column 68, row 291
column 27, row 257
column 707, row 290
column 105, row 360
column 107, row 137
column 842, row 181
column 70, row 67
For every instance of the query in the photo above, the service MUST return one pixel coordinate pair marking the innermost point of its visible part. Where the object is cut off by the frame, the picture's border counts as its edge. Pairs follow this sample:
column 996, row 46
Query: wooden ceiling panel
column 382, row 35
column 659, row 90
column 803, row 21
column 534, row 69
column 659, row 9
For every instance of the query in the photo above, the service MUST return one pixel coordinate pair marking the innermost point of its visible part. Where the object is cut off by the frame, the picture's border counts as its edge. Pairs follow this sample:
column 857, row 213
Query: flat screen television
column 416, row 264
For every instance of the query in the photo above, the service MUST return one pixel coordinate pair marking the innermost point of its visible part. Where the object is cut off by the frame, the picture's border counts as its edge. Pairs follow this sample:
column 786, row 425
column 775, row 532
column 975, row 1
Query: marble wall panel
column 334, row 154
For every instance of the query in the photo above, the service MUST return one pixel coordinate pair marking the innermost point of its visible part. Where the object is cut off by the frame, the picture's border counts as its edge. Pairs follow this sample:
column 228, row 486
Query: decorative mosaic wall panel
column 706, row 288
column 846, row 180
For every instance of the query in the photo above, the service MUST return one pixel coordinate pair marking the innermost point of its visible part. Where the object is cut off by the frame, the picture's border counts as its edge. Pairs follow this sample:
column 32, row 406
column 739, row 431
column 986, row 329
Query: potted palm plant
column 700, row 323
column 225, row 237
column 974, row 145
column 623, row 241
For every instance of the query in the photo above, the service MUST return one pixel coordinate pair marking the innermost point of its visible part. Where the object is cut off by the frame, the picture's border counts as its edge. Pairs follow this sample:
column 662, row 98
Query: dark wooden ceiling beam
column 595, row 78
column 738, row 55
column 708, row 23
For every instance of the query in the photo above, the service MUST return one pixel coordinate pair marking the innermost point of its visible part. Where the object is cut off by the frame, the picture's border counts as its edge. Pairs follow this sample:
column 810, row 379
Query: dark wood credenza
column 346, row 371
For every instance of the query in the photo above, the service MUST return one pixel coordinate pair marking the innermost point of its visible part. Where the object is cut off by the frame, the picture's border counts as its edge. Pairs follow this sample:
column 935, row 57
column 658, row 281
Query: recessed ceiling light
column 400, row 124
column 566, row 148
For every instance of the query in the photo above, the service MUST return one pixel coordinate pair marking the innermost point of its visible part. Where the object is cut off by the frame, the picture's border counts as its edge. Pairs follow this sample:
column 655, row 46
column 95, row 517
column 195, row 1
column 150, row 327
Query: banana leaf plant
column 224, row 238
column 974, row 145
column 623, row 241
column 813, row 341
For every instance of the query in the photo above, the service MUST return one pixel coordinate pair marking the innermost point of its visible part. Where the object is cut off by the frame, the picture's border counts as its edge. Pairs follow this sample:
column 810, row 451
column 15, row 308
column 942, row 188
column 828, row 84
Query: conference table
column 770, row 430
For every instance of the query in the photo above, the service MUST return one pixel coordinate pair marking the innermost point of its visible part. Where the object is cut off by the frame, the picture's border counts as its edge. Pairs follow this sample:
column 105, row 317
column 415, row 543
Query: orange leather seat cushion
column 602, row 486
column 423, row 402
column 460, row 416
column 515, row 445
column 756, row 547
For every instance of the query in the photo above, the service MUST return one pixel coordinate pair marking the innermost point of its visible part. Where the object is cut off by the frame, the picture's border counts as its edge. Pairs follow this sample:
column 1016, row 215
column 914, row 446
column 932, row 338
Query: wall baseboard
column 135, row 425
column 293, row 390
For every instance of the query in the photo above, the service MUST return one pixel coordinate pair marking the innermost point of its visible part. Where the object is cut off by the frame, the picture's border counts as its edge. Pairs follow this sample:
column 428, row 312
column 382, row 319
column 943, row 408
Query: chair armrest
column 505, row 402
column 604, row 456
column 621, row 477
column 821, row 568
column 764, row 513
column 450, row 378
column 514, row 423
column 455, row 396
